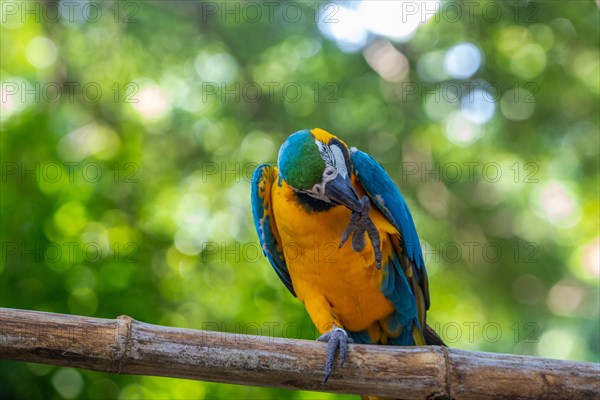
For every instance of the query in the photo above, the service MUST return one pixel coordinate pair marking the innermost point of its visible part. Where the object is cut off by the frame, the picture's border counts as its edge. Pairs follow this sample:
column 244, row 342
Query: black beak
column 341, row 191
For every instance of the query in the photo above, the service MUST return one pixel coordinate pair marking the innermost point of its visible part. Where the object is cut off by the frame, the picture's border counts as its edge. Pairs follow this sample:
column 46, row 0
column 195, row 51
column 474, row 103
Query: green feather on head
column 300, row 163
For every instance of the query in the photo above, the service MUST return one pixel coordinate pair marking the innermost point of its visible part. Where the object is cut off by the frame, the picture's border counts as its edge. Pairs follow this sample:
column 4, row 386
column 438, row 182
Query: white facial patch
column 335, row 165
column 340, row 162
column 322, row 148
column 333, row 157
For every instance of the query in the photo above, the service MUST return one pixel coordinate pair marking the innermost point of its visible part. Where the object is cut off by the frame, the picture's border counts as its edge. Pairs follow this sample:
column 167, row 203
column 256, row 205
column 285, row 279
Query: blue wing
column 263, row 179
column 405, row 279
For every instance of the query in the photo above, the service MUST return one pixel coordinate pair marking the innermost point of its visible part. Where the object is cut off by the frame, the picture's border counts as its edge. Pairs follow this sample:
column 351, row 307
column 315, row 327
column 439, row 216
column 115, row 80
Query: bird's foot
column 359, row 224
column 336, row 338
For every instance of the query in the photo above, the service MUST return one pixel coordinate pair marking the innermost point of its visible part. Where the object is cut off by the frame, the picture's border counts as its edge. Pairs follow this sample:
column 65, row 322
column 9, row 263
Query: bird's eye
column 329, row 173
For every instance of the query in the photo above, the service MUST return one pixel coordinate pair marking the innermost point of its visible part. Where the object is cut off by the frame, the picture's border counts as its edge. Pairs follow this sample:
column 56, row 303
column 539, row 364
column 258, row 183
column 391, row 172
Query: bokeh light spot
column 353, row 21
column 478, row 106
column 70, row 218
column 542, row 34
column 68, row 382
column 558, row 205
column 556, row 343
column 430, row 67
column 396, row 19
column 254, row 147
column 517, row 104
column 462, row 60
column 461, row 131
column 41, row 52
column 387, row 61
column 586, row 66
column 442, row 103
column 346, row 27
column 132, row 392
column 564, row 297
column 529, row 61
column 89, row 140
column 151, row 102
column 591, row 258
column 511, row 39
column 216, row 67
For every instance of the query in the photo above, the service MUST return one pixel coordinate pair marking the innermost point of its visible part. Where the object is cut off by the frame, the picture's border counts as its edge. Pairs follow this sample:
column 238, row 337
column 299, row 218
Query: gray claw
column 336, row 338
column 359, row 223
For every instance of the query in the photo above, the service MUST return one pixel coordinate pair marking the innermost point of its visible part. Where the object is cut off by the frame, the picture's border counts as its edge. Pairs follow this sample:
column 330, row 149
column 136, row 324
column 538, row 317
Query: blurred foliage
column 129, row 136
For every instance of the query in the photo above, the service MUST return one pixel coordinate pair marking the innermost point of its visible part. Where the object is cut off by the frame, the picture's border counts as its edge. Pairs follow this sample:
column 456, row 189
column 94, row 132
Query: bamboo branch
column 126, row 346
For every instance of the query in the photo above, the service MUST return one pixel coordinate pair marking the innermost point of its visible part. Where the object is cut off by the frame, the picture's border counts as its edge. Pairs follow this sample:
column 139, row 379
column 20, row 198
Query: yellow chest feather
column 348, row 280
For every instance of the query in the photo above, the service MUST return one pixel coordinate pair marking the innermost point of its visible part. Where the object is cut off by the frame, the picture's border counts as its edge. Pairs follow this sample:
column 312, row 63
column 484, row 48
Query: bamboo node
column 123, row 342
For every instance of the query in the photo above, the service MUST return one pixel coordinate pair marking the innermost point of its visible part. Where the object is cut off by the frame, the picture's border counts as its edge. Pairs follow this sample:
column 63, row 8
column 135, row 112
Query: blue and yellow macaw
column 306, row 208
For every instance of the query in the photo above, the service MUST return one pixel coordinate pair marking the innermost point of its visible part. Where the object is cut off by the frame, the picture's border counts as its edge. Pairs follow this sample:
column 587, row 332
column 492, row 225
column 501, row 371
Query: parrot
column 319, row 195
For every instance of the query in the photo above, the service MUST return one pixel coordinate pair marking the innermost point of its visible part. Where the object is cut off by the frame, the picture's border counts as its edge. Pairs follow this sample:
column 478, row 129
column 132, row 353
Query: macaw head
column 317, row 163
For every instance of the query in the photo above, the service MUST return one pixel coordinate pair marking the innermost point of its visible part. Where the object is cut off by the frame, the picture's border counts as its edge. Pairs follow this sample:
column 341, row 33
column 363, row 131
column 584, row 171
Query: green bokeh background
column 111, row 206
